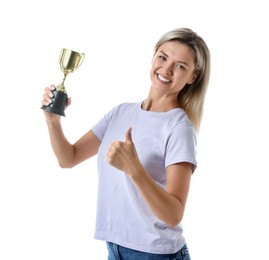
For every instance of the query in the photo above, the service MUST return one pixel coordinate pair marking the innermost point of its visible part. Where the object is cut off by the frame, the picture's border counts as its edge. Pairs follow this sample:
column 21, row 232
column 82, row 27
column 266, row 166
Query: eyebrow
column 183, row 62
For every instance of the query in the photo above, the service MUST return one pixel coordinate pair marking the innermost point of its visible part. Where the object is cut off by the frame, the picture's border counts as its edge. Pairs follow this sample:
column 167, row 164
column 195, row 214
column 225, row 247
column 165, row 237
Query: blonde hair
column 191, row 97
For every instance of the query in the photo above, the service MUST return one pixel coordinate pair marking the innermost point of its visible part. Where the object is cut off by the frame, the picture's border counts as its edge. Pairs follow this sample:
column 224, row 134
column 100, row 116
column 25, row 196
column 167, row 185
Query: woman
column 144, row 176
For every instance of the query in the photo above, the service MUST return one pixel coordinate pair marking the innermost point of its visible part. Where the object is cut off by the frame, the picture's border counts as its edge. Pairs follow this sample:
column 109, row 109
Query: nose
column 168, row 69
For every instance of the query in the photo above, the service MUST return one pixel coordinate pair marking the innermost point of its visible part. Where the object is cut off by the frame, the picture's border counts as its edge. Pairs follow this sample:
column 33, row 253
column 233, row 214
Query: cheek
column 181, row 80
column 183, row 77
column 156, row 65
column 152, row 70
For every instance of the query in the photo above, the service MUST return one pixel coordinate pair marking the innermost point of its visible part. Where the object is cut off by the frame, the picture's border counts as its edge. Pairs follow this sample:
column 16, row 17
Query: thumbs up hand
column 123, row 155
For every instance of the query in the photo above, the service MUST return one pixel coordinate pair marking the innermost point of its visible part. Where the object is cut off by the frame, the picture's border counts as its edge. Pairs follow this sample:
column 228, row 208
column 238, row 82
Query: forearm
column 62, row 149
column 163, row 204
column 167, row 206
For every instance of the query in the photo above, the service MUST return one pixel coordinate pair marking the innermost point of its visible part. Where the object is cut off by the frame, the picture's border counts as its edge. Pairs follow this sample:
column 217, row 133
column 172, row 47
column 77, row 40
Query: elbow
column 175, row 218
column 172, row 223
column 65, row 165
column 68, row 161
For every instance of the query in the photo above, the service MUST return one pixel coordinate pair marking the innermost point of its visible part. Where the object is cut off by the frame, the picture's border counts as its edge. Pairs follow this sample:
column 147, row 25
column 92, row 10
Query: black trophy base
column 58, row 104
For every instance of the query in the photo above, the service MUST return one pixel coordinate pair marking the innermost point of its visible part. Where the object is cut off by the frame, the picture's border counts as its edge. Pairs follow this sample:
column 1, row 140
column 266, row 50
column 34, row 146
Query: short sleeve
column 100, row 127
column 181, row 145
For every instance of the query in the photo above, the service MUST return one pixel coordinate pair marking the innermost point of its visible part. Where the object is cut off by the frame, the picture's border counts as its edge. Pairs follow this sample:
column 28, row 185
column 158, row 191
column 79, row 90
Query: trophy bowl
column 69, row 62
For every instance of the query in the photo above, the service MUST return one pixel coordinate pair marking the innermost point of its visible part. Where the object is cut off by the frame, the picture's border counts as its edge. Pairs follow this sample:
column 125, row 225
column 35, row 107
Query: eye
column 180, row 66
column 162, row 57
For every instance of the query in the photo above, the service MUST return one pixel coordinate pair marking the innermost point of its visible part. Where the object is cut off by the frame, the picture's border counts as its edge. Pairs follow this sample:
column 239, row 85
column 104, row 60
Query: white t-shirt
column 161, row 139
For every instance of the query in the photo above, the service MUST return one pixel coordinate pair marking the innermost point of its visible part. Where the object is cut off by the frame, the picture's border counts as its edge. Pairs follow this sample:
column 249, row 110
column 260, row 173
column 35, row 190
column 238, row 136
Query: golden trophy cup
column 69, row 62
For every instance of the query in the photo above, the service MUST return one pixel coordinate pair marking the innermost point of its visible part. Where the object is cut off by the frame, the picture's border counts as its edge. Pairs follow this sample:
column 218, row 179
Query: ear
column 193, row 78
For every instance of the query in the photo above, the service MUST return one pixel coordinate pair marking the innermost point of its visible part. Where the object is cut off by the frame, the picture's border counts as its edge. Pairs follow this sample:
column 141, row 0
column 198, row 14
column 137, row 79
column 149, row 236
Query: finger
column 49, row 90
column 48, row 95
column 109, row 153
column 108, row 156
column 128, row 135
column 68, row 101
column 46, row 100
column 110, row 149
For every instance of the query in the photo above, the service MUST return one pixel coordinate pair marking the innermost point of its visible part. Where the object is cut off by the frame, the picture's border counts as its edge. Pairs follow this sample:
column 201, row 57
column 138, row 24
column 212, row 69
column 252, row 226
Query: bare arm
column 68, row 154
column 169, row 204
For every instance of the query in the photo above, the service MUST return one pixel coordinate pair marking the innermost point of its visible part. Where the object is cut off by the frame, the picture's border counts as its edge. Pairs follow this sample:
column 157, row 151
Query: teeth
column 163, row 79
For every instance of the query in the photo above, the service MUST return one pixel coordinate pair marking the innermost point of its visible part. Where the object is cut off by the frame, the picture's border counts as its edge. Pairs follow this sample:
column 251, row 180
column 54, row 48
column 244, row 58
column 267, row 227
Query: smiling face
column 172, row 67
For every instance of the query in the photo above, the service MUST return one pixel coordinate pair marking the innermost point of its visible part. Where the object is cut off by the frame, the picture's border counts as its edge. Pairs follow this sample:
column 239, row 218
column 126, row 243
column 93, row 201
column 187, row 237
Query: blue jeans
column 116, row 252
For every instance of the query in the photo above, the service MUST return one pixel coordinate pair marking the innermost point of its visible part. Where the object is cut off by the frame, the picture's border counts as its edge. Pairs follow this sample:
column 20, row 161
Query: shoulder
column 182, row 117
column 177, row 120
column 182, row 129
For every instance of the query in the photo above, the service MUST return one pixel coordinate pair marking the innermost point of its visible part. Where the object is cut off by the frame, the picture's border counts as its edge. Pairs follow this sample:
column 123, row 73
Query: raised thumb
column 128, row 135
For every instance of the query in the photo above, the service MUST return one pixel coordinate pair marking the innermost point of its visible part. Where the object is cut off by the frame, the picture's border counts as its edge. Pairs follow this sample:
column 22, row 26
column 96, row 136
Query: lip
column 162, row 79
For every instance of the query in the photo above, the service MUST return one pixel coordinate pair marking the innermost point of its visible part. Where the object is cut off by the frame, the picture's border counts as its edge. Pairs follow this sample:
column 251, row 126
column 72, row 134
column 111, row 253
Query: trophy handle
column 61, row 54
column 82, row 55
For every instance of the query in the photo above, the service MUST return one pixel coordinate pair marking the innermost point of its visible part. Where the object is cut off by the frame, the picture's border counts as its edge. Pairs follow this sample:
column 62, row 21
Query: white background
column 49, row 213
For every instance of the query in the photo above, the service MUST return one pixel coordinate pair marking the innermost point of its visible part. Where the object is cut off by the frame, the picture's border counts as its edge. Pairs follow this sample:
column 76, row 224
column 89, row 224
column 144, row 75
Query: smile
column 163, row 79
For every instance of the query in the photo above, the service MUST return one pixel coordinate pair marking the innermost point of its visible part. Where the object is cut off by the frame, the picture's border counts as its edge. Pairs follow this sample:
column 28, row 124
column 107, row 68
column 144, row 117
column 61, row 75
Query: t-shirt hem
column 142, row 248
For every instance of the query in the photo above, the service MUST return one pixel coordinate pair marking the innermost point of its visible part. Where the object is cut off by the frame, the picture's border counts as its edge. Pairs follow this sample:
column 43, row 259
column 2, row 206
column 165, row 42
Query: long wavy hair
column 191, row 97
